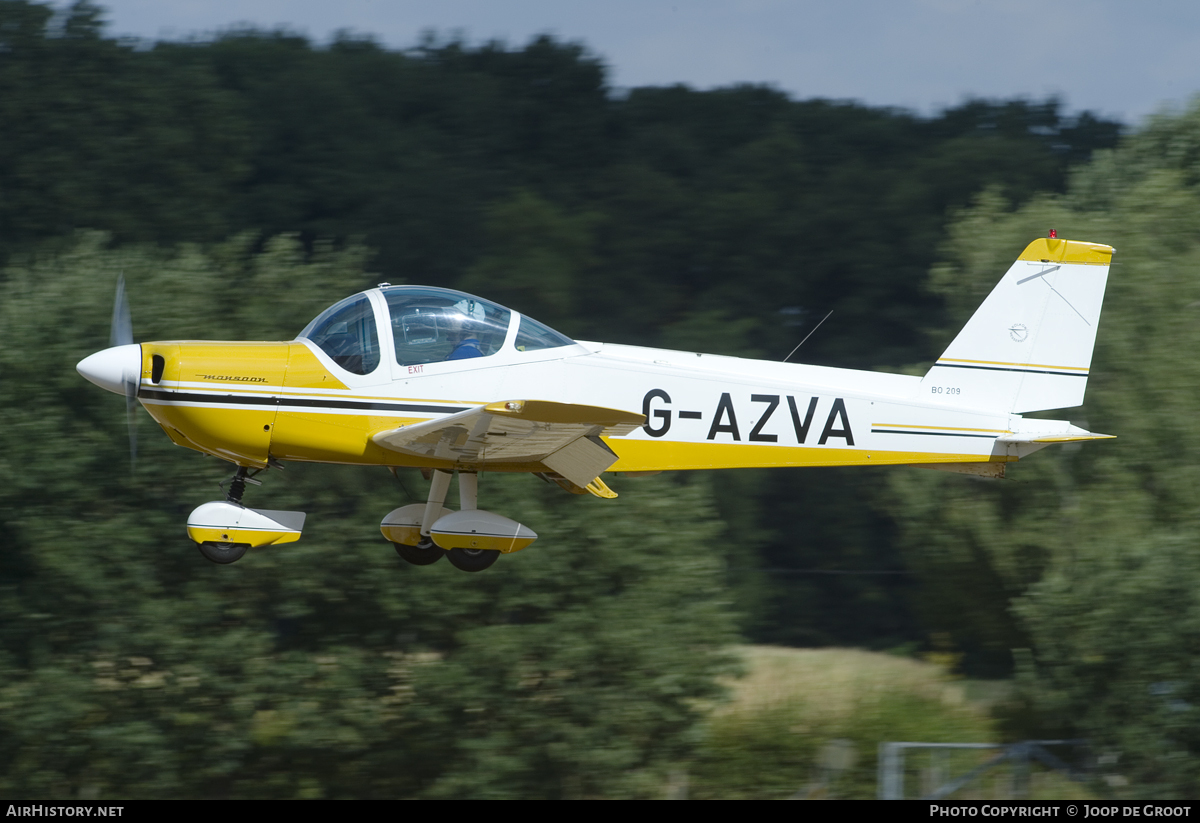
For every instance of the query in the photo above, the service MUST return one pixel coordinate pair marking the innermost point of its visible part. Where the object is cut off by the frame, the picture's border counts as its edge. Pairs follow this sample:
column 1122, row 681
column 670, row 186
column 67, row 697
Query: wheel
column 421, row 554
column 223, row 553
column 472, row 560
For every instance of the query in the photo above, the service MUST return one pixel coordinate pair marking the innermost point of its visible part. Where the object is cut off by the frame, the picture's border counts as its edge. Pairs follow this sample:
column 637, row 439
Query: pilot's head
column 460, row 329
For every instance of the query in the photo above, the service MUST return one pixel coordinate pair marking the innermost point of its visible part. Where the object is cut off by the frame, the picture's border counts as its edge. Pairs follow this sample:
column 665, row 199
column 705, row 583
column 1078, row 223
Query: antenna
column 810, row 334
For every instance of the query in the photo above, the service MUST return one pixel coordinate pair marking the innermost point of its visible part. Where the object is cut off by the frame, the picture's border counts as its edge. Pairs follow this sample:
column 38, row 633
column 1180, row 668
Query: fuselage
column 251, row 402
column 395, row 356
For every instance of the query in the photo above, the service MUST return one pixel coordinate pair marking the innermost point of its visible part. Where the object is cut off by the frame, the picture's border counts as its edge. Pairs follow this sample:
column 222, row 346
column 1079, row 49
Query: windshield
column 346, row 332
column 532, row 336
column 431, row 325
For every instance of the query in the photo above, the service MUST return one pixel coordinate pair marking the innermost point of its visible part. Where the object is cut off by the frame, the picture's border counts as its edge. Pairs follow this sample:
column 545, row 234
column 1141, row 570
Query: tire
column 223, row 553
column 472, row 560
column 423, row 554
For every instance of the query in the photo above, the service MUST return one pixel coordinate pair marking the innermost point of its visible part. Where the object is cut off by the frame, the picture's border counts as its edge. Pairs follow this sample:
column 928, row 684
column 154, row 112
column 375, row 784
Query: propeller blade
column 131, row 388
column 121, row 331
column 121, row 334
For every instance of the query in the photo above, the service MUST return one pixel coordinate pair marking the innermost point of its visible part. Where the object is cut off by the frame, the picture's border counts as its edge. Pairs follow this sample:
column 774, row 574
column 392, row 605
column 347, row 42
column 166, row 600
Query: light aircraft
column 442, row 380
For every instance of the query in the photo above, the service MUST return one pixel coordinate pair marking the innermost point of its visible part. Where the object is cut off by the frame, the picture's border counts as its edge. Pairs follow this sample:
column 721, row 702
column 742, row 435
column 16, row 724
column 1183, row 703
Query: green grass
column 808, row 723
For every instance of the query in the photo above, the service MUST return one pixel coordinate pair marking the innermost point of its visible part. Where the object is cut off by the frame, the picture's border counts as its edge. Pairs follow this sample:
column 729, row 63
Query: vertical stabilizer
column 1029, row 346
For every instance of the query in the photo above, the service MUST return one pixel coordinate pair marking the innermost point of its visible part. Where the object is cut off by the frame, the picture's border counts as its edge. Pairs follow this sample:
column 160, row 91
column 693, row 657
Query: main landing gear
column 471, row 539
column 224, row 530
column 422, row 554
column 472, row 560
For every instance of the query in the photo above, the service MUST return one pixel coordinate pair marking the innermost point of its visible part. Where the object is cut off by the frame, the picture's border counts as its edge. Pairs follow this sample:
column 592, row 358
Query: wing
column 564, row 437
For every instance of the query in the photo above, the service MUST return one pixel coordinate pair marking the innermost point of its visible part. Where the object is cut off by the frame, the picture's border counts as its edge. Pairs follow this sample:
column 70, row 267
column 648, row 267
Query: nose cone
column 112, row 368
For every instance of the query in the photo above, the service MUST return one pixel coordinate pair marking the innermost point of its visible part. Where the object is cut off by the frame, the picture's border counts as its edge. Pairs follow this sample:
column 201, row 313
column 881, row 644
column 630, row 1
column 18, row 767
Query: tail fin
column 1029, row 346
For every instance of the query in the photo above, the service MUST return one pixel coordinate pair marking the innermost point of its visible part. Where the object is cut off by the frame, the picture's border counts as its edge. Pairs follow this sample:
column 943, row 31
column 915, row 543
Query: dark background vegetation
column 244, row 183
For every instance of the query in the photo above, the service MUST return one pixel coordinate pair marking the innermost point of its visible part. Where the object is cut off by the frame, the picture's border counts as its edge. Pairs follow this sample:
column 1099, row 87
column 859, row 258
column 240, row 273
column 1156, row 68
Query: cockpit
column 426, row 325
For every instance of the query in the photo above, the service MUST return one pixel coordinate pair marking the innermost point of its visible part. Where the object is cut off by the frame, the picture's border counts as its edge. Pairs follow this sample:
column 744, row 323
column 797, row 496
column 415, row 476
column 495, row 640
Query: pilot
column 465, row 340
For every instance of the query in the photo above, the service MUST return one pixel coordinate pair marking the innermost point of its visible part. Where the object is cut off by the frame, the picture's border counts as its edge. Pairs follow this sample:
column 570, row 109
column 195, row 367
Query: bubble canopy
column 427, row 324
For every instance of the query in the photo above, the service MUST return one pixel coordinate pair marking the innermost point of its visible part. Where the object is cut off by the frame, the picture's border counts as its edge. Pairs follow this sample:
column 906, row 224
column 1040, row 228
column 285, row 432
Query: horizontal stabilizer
column 1034, row 437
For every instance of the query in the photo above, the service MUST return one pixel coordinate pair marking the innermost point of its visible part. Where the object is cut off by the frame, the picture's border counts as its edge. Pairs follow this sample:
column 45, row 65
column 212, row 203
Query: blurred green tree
column 99, row 135
column 730, row 220
column 1093, row 549
column 537, row 258
column 130, row 666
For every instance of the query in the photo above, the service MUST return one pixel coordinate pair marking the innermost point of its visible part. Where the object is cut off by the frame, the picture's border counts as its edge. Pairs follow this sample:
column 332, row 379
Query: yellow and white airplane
column 438, row 379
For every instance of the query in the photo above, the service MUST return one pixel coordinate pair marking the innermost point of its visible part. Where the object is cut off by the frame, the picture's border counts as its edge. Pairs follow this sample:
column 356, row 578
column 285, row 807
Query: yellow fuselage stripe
column 645, row 455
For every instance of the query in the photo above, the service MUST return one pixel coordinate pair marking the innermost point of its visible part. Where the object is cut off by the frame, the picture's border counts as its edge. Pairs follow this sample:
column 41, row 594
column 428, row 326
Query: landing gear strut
column 472, row 559
column 471, row 539
column 237, row 484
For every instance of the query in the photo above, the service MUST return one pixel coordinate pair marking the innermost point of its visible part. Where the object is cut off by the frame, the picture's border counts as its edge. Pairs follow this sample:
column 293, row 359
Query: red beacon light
column 1053, row 233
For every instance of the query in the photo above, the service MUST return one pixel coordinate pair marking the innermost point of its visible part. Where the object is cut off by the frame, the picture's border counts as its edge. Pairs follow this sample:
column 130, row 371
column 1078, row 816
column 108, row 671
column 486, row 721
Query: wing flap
column 519, row 431
column 583, row 460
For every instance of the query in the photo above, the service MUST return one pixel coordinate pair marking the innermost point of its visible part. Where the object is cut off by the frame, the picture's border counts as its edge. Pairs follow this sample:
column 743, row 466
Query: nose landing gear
column 223, row 553
column 224, row 530
column 237, row 484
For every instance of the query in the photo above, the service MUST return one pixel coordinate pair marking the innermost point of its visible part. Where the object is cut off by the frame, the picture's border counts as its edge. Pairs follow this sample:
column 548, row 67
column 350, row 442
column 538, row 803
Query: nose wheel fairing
column 225, row 529
column 227, row 522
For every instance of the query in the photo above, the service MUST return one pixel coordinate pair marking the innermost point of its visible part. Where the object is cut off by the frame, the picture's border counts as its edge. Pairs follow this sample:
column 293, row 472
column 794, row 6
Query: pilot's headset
column 457, row 326
column 468, row 319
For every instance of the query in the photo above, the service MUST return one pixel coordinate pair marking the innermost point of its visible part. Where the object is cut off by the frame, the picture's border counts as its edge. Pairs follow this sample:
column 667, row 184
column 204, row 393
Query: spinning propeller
column 119, row 367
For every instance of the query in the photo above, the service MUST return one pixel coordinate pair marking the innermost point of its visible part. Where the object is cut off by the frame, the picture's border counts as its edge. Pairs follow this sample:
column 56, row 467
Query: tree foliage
column 131, row 666
column 1093, row 547
column 730, row 221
